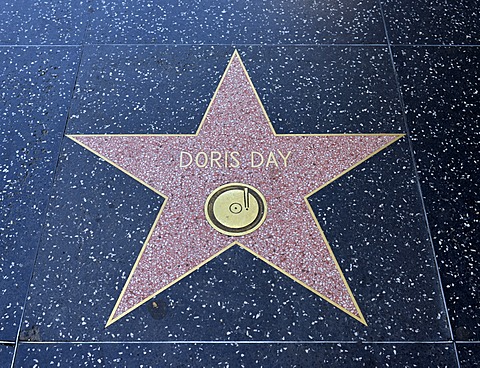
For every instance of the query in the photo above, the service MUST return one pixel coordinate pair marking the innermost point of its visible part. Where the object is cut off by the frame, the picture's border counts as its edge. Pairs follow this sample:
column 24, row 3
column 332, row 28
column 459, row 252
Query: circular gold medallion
column 236, row 209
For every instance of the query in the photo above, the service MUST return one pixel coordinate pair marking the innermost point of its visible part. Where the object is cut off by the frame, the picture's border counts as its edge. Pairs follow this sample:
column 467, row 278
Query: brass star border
column 236, row 94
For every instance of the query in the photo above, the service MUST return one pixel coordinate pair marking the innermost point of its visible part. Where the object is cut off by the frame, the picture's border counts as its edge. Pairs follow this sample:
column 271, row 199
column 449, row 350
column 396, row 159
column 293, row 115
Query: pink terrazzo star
column 293, row 168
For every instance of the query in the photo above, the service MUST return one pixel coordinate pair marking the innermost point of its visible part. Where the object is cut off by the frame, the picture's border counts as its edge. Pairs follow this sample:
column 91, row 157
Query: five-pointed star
column 293, row 168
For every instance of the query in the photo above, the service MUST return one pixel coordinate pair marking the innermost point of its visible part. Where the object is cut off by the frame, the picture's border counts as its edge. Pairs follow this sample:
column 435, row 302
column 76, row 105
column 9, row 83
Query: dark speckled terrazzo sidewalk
column 403, row 225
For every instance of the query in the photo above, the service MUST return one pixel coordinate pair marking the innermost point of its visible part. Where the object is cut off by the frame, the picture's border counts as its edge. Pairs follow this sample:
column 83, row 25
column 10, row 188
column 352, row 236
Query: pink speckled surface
column 182, row 238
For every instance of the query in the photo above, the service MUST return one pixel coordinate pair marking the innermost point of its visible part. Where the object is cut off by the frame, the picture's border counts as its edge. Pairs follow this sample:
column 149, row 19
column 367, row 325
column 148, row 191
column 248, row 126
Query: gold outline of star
column 359, row 318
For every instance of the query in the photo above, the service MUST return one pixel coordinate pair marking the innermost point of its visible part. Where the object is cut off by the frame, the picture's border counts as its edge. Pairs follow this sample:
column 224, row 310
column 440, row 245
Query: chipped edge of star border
column 235, row 54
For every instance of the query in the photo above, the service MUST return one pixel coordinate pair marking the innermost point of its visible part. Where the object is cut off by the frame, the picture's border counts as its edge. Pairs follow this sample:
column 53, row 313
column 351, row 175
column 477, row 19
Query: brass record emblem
column 236, row 209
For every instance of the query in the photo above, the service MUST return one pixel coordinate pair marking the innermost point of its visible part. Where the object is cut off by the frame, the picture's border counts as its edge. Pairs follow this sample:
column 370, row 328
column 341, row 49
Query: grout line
column 433, row 45
column 456, row 352
column 42, row 46
column 240, row 342
column 237, row 45
column 47, row 205
column 418, row 182
column 468, row 342
column 388, row 44
column 204, row 45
